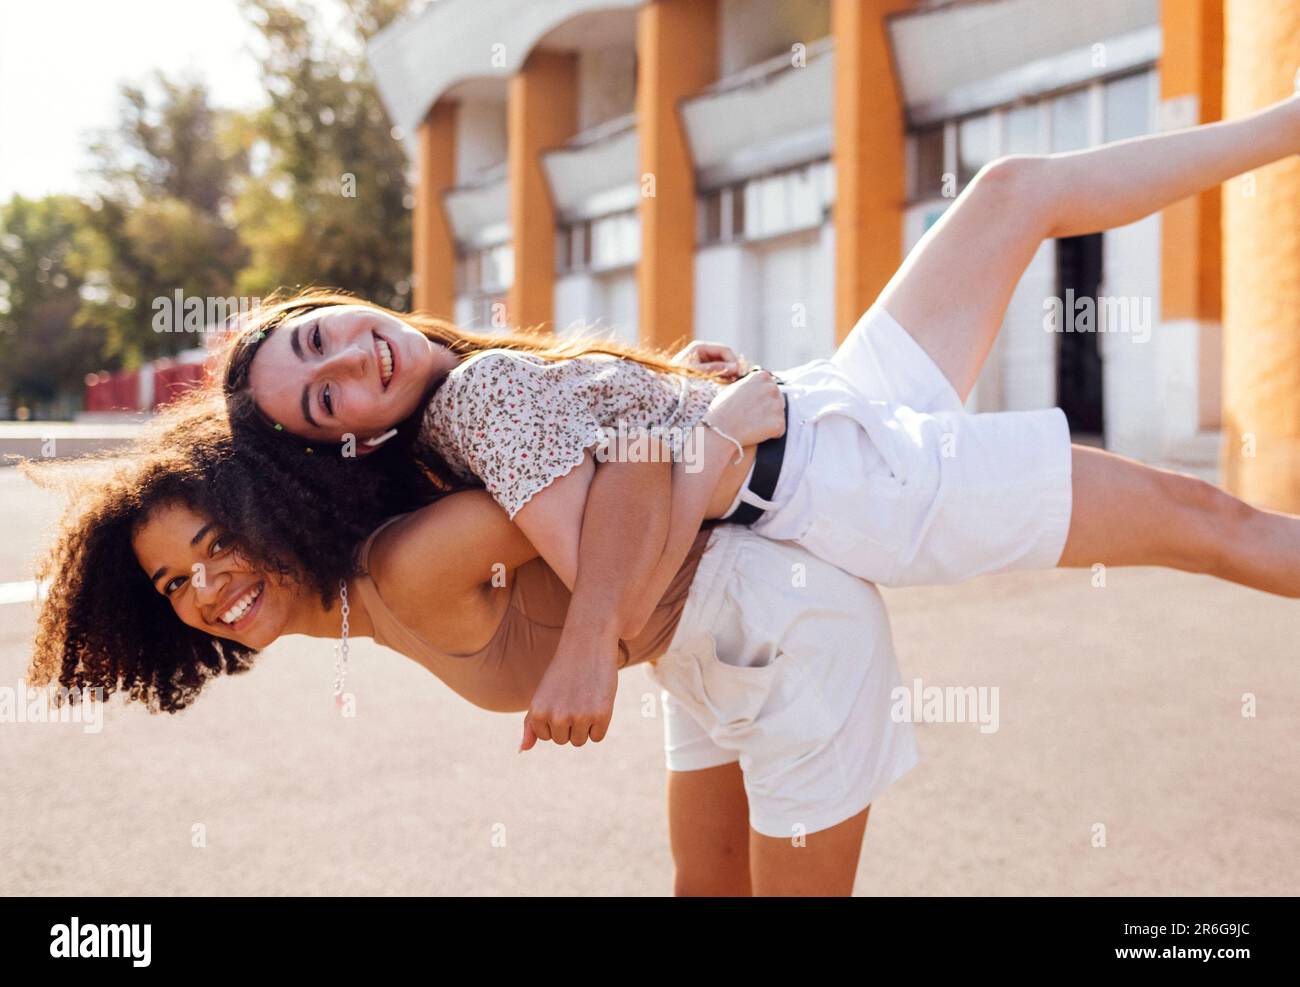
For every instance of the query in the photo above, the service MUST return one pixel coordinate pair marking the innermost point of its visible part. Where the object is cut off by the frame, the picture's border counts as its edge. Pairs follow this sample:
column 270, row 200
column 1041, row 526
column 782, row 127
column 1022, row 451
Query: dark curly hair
column 103, row 625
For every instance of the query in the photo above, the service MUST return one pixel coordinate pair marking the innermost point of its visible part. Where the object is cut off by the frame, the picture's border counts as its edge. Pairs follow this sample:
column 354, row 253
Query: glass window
column 927, row 180
column 563, row 236
column 711, row 217
column 737, row 194
column 804, row 208
column 975, row 142
column 1070, row 121
column 1022, row 129
column 1128, row 106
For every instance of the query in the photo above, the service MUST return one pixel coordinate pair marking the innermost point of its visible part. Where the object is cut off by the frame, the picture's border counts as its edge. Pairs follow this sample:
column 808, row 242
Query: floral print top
column 517, row 421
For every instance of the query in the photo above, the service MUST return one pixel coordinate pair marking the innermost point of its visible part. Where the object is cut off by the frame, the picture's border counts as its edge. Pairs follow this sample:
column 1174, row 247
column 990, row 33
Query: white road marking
column 23, row 592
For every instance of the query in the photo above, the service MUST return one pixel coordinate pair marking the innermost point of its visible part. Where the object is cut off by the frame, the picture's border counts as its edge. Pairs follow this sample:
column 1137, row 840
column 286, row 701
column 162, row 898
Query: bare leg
column 708, row 829
column 1125, row 513
column 952, row 290
column 823, row 867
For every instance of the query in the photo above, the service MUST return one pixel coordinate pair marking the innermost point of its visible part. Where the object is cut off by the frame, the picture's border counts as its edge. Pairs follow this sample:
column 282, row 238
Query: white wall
column 772, row 300
column 753, row 30
column 597, row 304
column 606, row 84
column 480, row 136
column 724, row 279
column 1151, row 390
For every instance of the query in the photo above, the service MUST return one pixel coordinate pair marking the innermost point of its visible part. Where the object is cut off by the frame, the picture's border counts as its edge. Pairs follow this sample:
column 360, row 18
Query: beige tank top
column 504, row 674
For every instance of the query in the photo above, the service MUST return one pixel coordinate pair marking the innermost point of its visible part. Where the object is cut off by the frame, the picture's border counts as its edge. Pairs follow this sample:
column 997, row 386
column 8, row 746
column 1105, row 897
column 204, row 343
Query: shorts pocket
column 735, row 695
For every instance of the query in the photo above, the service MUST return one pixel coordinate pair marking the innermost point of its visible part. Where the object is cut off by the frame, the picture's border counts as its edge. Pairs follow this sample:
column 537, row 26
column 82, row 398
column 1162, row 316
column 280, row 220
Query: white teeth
column 241, row 606
column 385, row 362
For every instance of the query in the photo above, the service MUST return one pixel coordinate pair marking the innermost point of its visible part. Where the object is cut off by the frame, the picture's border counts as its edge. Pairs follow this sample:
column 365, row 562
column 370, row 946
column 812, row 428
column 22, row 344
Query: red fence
column 147, row 389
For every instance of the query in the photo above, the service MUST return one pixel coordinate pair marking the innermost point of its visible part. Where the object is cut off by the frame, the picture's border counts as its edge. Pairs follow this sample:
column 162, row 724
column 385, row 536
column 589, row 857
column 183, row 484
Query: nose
column 210, row 586
column 351, row 361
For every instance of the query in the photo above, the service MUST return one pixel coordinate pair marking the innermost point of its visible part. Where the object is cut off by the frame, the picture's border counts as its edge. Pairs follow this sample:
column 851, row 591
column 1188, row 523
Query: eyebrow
column 306, row 406
column 198, row 537
column 296, row 342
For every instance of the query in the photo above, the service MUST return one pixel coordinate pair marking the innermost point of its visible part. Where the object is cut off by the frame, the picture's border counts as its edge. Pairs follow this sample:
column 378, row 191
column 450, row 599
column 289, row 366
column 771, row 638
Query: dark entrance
column 1078, row 354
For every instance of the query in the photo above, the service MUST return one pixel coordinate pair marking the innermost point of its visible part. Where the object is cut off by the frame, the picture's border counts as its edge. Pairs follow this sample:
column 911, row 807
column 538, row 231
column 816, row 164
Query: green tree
column 162, row 218
column 331, row 206
column 42, row 358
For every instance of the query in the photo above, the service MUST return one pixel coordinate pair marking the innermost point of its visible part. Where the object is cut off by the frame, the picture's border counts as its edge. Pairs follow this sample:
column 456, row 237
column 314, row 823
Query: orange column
column 1191, row 275
column 677, row 54
column 433, row 252
column 1261, row 271
column 869, row 157
column 541, row 113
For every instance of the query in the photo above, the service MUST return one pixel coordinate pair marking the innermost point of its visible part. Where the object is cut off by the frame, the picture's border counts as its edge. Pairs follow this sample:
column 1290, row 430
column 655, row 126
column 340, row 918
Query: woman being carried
column 882, row 472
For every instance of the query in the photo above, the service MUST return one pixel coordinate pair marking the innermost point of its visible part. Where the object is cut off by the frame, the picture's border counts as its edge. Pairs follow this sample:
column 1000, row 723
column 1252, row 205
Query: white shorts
column 886, row 476
column 784, row 663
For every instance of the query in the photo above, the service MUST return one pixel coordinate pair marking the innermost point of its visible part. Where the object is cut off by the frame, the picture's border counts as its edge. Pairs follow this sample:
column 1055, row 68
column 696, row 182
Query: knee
column 1012, row 178
column 1216, row 519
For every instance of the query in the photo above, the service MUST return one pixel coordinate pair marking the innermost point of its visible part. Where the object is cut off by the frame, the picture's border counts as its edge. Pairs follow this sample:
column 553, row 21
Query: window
column 927, row 178
column 1128, row 107
column 975, row 146
column 1022, row 129
column 1070, row 121
column 599, row 244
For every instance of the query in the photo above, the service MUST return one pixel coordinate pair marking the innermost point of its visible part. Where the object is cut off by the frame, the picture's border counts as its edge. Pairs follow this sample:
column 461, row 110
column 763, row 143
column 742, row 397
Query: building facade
column 754, row 171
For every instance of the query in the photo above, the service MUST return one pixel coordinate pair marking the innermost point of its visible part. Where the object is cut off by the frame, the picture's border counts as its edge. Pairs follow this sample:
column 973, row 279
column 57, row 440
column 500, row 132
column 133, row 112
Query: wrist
column 583, row 633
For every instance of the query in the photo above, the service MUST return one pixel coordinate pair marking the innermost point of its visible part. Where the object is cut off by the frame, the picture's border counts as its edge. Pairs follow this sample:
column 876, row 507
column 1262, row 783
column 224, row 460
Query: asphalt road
column 1119, row 707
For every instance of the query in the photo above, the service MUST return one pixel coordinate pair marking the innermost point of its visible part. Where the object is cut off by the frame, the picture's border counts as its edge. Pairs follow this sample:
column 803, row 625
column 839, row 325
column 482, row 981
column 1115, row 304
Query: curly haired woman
column 219, row 545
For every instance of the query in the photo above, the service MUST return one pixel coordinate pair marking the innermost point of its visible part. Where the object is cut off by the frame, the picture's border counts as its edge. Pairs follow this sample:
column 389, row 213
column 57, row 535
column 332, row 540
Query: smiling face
column 210, row 587
column 343, row 369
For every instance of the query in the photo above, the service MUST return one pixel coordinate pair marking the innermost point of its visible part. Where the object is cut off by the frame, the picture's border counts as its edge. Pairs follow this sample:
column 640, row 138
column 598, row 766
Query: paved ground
column 1118, row 706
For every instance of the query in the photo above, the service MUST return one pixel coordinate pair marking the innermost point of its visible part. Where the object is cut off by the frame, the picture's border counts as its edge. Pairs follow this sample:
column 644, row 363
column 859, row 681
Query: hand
column 750, row 410
column 712, row 357
column 575, row 699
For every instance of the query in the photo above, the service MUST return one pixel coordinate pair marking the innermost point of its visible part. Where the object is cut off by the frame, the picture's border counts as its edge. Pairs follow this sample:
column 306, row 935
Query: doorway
column 1078, row 354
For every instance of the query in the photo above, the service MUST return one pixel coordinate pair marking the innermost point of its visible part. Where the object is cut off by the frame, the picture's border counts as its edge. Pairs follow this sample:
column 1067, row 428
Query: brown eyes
column 217, row 546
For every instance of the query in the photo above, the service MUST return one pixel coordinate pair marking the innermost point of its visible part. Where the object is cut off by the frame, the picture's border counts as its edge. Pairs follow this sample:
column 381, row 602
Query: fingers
column 562, row 730
column 729, row 371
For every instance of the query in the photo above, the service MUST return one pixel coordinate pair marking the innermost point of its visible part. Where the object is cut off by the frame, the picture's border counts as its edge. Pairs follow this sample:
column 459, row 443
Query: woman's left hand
column 706, row 356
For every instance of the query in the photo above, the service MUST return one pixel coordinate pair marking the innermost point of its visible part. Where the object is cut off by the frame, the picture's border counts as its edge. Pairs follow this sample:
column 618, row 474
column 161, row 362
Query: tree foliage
column 311, row 188
column 331, row 207
column 40, row 284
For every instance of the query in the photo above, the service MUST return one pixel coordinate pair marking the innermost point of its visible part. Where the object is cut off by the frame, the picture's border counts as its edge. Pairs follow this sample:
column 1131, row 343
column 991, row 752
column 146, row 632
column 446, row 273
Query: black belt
column 767, row 469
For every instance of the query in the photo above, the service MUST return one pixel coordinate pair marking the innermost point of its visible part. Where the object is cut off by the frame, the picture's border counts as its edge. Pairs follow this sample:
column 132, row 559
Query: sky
column 61, row 61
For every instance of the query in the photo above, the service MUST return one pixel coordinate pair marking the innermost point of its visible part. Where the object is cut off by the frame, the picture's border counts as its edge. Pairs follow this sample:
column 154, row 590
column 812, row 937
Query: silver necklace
column 341, row 651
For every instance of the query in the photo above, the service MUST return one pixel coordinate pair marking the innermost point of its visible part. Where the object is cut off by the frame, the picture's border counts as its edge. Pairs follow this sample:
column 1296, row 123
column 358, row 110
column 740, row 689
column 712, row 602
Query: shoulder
column 452, row 543
column 493, row 364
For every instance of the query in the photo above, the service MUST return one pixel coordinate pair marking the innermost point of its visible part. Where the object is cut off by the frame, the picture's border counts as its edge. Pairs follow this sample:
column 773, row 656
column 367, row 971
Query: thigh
column 952, row 290
column 820, row 864
column 1128, row 513
column 708, row 830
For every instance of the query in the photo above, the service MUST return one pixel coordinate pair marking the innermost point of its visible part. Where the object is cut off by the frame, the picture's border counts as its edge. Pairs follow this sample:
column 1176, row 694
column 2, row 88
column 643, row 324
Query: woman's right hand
column 750, row 410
